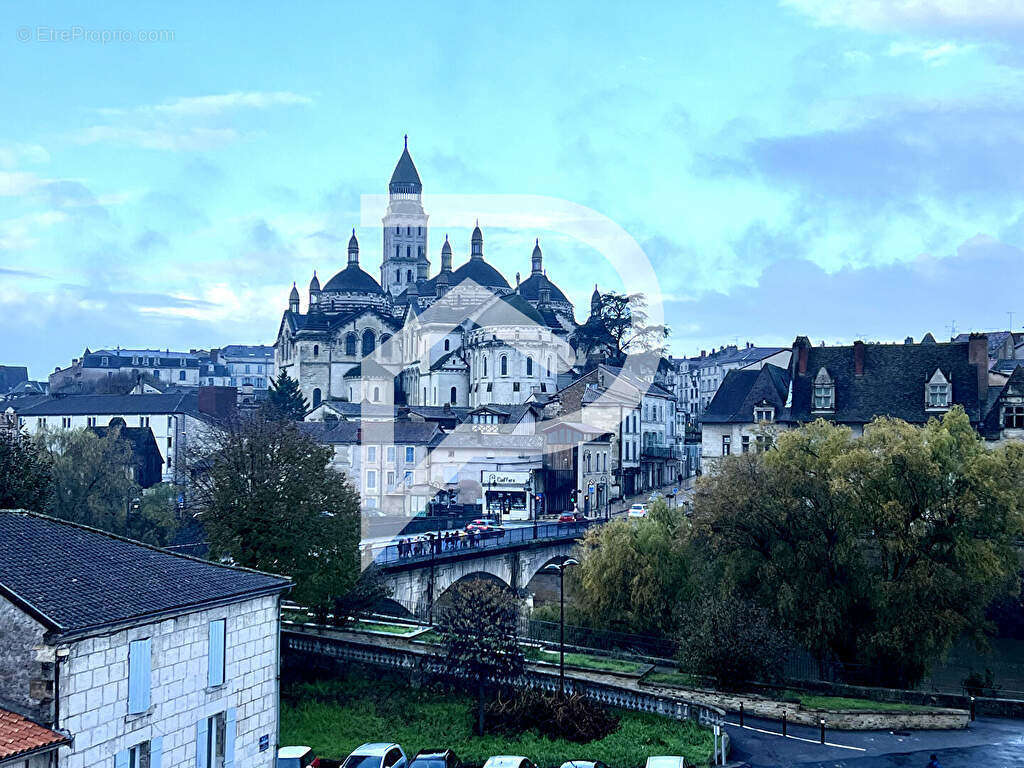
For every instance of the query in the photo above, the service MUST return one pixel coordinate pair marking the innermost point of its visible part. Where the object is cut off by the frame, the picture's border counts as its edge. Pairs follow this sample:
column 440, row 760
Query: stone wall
column 94, row 687
column 20, row 635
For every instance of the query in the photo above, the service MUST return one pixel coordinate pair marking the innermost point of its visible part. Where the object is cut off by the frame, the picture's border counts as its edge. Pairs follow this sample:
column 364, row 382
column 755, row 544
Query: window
column 143, row 421
column 170, row 422
column 91, row 421
column 515, row 386
column 316, row 350
column 215, row 740
column 371, row 479
column 105, row 362
column 376, row 394
column 745, row 443
column 764, row 414
column 529, row 366
column 485, row 366
column 181, row 375
column 938, row 395
column 65, row 421
column 1013, row 417
column 407, row 478
column 391, row 479
column 391, row 454
column 369, row 342
column 144, row 755
column 156, row 374
column 454, row 399
column 139, row 661
column 824, row 392
column 726, row 445
column 371, row 453
column 217, row 653
column 447, row 345
column 317, row 397
column 408, row 272
column 410, row 454
column 350, row 344
column 504, row 365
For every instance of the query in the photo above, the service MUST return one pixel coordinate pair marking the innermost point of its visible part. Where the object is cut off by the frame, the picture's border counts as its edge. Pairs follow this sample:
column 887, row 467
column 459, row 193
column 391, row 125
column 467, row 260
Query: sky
column 837, row 169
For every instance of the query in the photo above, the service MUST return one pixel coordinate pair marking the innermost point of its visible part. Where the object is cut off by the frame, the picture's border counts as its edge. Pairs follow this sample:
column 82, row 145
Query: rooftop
column 19, row 736
column 74, row 579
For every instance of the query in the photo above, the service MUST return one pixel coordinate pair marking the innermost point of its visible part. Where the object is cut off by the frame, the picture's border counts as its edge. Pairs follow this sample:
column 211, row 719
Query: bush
column 572, row 717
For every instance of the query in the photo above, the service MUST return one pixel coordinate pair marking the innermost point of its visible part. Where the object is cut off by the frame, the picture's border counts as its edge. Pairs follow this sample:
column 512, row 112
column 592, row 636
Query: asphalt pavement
column 987, row 743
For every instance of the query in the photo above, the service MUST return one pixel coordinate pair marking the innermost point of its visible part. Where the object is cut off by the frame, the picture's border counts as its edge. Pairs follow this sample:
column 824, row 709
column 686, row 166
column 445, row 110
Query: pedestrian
column 934, row 762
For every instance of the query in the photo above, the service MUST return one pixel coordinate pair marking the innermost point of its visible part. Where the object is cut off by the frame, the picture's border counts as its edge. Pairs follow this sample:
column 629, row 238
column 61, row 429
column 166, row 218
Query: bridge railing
column 426, row 547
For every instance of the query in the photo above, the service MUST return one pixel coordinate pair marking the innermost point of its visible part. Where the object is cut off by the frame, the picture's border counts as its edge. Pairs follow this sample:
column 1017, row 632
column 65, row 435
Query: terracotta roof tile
column 19, row 736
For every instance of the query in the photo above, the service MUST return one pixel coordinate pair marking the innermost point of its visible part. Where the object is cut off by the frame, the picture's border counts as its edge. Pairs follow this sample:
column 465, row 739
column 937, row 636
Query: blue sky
column 837, row 169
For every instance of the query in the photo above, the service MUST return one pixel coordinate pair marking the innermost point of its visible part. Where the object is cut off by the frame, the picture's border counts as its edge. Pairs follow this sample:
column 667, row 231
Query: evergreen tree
column 25, row 472
column 285, row 400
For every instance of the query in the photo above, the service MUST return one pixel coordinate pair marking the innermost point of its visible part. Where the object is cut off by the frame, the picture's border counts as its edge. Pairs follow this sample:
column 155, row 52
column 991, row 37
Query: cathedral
column 462, row 337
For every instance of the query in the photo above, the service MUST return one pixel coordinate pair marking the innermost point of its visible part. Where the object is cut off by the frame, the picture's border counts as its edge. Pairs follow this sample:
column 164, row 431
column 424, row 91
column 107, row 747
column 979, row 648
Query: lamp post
column 560, row 568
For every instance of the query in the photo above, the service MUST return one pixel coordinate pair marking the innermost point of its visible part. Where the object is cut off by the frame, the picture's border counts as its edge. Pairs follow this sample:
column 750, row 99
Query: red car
column 485, row 527
column 571, row 517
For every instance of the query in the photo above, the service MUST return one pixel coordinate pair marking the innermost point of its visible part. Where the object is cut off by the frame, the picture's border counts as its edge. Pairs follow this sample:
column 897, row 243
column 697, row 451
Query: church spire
column 537, row 259
column 353, row 249
column 405, row 179
column 477, row 248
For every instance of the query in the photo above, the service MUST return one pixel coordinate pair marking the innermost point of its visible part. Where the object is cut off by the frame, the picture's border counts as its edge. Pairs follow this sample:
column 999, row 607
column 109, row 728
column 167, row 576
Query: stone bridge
column 418, row 581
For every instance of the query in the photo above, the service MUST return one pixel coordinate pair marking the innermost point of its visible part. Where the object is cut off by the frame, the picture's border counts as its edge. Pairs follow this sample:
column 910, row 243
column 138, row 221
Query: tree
column 154, row 517
column 633, row 575
column 25, row 472
column 622, row 323
column 91, row 481
column 271, row 501
column 478, row 638
column 285, row 400
column 879, row 551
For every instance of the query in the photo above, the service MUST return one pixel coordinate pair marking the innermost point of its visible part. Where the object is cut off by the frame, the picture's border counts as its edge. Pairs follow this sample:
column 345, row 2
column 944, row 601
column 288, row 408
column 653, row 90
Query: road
column 988, row 743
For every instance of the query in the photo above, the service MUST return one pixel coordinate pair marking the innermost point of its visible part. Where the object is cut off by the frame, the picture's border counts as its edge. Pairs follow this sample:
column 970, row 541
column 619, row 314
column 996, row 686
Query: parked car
column 509, row 761
column 571, row 517
column 584, row 764
column 435, row 758
column 376, row 755
column 297, row 757
column 637, row 510
column 484, row 526
column 666, row 761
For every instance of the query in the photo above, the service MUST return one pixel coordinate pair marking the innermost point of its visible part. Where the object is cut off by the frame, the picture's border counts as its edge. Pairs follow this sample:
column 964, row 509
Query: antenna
column 1010, row 313
column 951, row 327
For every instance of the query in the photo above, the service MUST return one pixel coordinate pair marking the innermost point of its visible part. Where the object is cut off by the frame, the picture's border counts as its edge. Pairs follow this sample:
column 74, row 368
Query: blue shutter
column 215, row 656
column 202, row 735
column 229, row 738
column 138, row 675
column 121, row 759
column 156, row 751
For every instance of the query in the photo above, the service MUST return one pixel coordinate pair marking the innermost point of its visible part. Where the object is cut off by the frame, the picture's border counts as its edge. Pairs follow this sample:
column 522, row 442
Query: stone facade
column 20, row 637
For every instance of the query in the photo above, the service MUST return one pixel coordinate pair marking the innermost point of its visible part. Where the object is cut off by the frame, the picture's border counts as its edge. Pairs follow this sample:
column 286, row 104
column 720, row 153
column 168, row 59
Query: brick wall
column 94, row 688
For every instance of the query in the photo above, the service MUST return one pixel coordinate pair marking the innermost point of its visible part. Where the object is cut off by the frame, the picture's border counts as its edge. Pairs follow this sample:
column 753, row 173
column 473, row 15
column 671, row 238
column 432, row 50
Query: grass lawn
column 379, row 626
column 680, row 679
column 431, row 636
column 811, row 701
column 587, row 661
column 356, row 710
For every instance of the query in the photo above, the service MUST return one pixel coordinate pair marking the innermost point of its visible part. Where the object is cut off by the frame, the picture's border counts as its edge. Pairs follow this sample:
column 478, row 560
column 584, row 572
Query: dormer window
column 938, row 392
column 764, row 412
column 824, row 392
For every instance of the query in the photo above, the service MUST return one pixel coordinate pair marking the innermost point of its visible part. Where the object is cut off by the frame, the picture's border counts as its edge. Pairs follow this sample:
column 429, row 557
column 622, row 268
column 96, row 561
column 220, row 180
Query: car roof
column 433, row 753
column 374, row 748
column 581, row 763
column 665, row 761
column 291, row 752
column 504, row 761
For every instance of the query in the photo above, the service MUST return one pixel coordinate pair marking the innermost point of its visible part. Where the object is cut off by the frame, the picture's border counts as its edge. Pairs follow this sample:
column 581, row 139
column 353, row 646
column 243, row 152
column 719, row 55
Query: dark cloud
column 975, row 287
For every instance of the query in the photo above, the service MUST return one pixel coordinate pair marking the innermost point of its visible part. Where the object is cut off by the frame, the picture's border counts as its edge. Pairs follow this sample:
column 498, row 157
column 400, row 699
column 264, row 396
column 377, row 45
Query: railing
column 425, row 548
column 660, row 452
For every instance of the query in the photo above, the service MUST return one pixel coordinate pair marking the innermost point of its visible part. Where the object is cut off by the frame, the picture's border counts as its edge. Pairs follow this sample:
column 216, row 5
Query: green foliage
column 336, row 717
column 572, row 717
column 25, row 472
column 285, row 400
column 734, row 641
column 271, row 501
column 585, row 660
column 624, row 325
column 478, row 639
column 633, row 574
column 880, row 550
column 154, row 518
column 90, row 478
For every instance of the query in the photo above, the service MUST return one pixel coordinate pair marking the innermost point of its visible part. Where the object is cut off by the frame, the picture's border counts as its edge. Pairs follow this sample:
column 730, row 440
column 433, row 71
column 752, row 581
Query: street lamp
column 560, row 569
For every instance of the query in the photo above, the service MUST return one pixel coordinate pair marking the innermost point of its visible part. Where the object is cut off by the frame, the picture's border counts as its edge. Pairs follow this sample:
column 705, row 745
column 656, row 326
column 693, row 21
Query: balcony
column 660, row 452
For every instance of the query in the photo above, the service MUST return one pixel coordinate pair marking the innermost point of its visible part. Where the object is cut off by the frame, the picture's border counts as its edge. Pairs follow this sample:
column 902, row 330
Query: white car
column 376, row 755
column 666, row 761
column 296, row 757
column 509, row 761
column 637, row 510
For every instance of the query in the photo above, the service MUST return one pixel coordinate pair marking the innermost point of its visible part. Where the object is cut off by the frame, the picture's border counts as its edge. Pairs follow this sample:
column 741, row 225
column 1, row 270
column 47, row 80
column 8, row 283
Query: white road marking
column 798, row 738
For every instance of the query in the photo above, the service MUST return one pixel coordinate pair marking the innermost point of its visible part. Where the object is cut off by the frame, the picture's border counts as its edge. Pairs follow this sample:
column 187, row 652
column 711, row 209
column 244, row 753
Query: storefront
column 507, row 494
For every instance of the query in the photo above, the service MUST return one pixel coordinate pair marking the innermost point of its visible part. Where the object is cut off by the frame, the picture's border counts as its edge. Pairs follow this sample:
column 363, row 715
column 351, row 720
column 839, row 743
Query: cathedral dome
column 352, row 279
column 481, row 273
column 531, row 287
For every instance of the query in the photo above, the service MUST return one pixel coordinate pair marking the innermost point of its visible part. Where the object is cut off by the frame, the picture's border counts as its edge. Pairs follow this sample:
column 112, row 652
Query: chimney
column 219, row 402
column 858, row 357
column 977, row 355
column 800, row 349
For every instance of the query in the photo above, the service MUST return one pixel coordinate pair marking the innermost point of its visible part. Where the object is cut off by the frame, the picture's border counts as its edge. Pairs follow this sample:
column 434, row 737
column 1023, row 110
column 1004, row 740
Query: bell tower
column 405, row 229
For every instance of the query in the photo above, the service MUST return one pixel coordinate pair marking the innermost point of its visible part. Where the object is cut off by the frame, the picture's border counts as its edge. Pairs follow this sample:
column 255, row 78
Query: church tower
column 405, row 229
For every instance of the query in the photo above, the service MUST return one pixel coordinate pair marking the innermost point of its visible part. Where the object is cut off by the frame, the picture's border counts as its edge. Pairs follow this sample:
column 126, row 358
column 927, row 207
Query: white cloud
column 895, row 15
column 164, row 138
column 18, row 183
column 13, row 155
column 216, row 104
column 935, row 54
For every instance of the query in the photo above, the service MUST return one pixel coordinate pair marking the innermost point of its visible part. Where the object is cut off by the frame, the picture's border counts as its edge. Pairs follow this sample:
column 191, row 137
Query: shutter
column 215, row 675
column 229, row 738
column 121, row 759
column 202, row 735
column 156, row 751
column 139, row 652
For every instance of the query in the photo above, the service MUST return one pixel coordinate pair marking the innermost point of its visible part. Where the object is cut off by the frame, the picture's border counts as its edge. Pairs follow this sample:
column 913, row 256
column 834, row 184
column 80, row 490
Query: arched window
column 408, row 275
column 408, row 231
column 398, row 230
column 504, row 365
column 316, row 350
column 350, row 394
column 376, row 394
column 529, row 366
column 454, row 396
column 316, row 397
column 350, row 344
column 550, row 369
column 408, row 251
column 398, row 275
column 485, row 366
column 447, row 345
column 398, row 251
column 368, row 342
column 424, row 396
column 181, row 375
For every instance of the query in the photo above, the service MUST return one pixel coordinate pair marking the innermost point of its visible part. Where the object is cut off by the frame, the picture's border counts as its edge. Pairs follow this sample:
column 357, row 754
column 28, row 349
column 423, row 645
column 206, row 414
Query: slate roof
column 351, row 432
column 893, row 382
column 405, row 177
column 512, row 309
column 481, row 273
column 80, row 405
column 75, row 579
column 453, row 358
column 995, row 339
column 742, row 389
column 531, row 287
column 352, row 279
column 19, row 736
column 141, row 439
column 11, row 376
